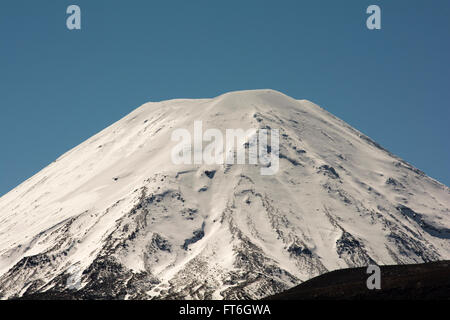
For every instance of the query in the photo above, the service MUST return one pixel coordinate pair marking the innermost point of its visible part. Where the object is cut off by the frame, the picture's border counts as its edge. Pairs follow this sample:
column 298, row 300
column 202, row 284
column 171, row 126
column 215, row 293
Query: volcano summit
column 116, row 218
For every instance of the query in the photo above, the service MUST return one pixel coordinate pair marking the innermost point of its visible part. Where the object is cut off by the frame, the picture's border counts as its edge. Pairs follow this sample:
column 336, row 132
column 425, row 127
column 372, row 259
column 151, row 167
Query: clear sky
column 59, row 87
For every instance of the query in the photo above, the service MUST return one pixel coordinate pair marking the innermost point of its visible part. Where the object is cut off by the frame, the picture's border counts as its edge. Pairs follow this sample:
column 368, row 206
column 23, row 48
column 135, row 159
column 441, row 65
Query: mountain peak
column 116, row 217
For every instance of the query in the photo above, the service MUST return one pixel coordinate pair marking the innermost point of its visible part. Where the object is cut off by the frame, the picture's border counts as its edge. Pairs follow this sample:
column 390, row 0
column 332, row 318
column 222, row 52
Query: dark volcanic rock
column 420, row 281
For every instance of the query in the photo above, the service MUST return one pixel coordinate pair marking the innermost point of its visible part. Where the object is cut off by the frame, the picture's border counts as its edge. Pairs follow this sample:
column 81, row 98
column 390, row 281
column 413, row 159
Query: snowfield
column 115, row 218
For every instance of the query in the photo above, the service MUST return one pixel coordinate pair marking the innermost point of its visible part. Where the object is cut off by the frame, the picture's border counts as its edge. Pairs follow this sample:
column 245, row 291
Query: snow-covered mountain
column 116, row 218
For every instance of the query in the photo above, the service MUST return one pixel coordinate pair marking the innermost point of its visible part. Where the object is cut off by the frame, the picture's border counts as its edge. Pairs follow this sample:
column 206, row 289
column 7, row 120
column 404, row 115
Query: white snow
column 99, row 182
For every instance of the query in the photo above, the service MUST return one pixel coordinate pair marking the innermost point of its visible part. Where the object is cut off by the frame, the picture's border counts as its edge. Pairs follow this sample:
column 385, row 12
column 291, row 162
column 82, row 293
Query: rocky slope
column 115, row 218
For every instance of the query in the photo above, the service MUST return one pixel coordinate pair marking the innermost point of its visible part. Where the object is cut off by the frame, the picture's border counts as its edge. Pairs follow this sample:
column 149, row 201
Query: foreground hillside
column 421, row 281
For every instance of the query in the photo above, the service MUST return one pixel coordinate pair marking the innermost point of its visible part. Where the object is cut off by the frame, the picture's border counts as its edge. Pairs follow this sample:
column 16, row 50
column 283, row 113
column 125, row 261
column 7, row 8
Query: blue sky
column 59, row 87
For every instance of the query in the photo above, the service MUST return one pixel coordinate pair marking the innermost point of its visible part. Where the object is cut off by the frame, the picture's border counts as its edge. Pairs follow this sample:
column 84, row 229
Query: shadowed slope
column 421, row 281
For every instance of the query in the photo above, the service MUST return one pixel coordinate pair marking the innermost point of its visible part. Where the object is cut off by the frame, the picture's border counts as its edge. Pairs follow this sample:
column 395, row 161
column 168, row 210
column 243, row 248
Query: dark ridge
column 442, row 233
column 330, row 171
column 107, row 280
column 210, row 174
column 395, row 183
column 198, row 235
column 291, row 160
column 297, row 250
column 161, row 243
column 427, row 281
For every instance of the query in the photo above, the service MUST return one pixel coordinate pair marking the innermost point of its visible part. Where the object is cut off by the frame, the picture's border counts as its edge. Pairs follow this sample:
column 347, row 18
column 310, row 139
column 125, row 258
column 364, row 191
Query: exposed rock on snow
column 115, row 218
